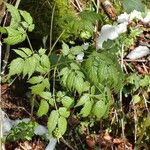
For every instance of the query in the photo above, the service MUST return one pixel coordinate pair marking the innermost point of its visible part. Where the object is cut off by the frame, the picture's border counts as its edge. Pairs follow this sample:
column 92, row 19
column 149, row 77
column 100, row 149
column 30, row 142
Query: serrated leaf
column 130, row 5
column 62, row 125
column 20, row 53
column 29, row 66
column 99, row 109
column 76, row 50
column 16, row 66
column 26, row 16
column 42, row 51
column 64, row 112
column 45, row 95
column 27, row 51
column 36, row 89
column 74, row 66
column 86, row 110
column 65, row 49
column 67, row 101
column 45, row 62
column 83, row 100
column 46, row 83
column 43, row 108
column 14, row 36
column 79, row 84
column 52, row 121
column 70, row 80
column 63, row 71
column 15, row 16
column 36, row 79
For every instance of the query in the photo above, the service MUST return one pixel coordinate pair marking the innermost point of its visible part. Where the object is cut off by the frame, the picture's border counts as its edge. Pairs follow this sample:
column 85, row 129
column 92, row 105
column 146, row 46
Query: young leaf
column 79, row 84
column 45, row 95
column 85, row 98
column 14, row 36
column 26, row 16
column 130, row 5
column 20, row 53
column 46, row 83
column 15, row 16
column 64, row 112
column 67, row 101
column 70, row 80
column 52, row 121
column 74, row 66
column 99, row 109
column 36, row 79
column 65, row 49
column 16, row 66
column 45, row 62
column 43, row 109
column 62, row 125
column 36, row 89
column 86, row 110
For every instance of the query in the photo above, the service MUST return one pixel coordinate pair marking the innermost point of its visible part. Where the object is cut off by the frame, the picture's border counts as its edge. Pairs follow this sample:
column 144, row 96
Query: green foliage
column 103, row 70
column 130, row 5
column 43, row 108
column 23, row 131
column 17, row 29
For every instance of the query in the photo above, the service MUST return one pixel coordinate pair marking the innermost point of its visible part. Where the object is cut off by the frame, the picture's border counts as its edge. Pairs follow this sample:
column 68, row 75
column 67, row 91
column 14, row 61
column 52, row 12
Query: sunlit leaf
column 52, row 121
column 36, row 79
column 16, row 66
column 65, row 49
column 67, row 101
column 43, row 108
column 64, row 112
column 62, row 125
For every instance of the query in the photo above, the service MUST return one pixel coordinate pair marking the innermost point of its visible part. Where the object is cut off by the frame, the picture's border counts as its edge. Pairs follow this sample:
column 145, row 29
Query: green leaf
column 130, row 5
column 36, row 79
column 16, row 66
column 136, row 99
column 43, row 108
column 85, row 98
column 30, row 66
column 42, row 51
column 62, row 125
column 26, row 16
column 79, row 84
column 76, row 50
column 27, row 51
column 31, row 27
column 99, row 109
column 70, row 80
column 74, row 66
column 64, row 112
column 86, row 110
column 52, row 121
column 15, row 16
column 46, row 83
column 45, row 95
column 45, row 62
column 65, row 49
column 14, row 36
column 20, row 53
column 67, row 101
column 36, row 89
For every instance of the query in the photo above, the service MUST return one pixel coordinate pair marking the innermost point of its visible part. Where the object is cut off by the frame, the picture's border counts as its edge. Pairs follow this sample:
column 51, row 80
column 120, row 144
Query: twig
column 78, row 4
column 66, row 143
column 122, row 119
column 30, row 43
column 136, row 60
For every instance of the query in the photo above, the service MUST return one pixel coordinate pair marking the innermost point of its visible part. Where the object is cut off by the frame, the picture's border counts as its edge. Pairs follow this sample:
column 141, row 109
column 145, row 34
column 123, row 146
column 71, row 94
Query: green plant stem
column 51, row 27
column 32, row 105
column 30, row 44
column 17, row 3
column 55, row 43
